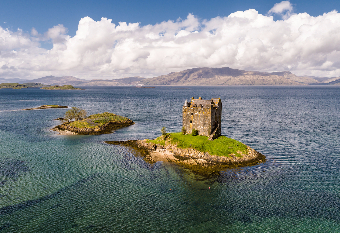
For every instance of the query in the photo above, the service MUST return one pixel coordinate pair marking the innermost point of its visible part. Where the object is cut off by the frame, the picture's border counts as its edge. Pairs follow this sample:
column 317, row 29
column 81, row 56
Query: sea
column 58, row 183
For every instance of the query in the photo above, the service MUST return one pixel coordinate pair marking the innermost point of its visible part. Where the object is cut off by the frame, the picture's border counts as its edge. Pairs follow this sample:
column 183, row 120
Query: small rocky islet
column 46, row 107
column 201, row 161
column 200, row 146
column 96, row 124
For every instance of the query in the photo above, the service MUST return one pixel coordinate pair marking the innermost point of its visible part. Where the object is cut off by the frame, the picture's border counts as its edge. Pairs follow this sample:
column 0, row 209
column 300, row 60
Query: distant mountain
column 52, row 80
column 227, row 76
column 130, row 81
column 70, row 80
column 193, row 77
column 332, row 81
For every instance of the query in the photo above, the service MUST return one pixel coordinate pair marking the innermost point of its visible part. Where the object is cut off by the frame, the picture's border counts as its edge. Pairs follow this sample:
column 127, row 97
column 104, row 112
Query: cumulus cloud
column 34, row 32
column 57, row 34
column 302, row 44
column 284, row 9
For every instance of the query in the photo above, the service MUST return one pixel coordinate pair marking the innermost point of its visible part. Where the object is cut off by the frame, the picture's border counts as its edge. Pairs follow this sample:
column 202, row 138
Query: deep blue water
column 54, row 183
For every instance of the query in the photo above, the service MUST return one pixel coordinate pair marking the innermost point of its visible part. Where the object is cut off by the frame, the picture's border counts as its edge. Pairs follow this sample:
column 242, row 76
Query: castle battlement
column 204, row 116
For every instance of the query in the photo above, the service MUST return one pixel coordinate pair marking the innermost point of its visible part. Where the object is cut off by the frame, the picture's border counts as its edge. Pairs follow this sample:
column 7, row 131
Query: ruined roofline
column 216, row 101
column 197, row 102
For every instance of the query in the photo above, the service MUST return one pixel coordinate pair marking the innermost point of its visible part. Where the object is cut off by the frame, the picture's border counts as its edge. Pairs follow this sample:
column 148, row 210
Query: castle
column 204, row 116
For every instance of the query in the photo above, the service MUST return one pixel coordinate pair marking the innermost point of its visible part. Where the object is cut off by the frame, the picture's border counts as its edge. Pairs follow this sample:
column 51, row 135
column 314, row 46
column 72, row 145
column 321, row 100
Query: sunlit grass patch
column 159, row 141
column 52, row 105
column 97, row 120
column 222, row 146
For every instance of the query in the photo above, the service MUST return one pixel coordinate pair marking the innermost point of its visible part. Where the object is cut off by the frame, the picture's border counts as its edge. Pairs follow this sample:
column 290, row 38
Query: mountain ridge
column 203, row 76
column 227, row 76
column 64, row 80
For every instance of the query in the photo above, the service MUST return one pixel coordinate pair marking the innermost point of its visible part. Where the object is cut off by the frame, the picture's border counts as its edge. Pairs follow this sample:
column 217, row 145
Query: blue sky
column 44, row 14
column 116, row 39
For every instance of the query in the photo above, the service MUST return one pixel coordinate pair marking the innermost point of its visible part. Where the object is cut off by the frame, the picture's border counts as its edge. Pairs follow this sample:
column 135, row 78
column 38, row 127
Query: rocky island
column 197, row 153
column 200, row 146
column 47, row 107
column 101, row 123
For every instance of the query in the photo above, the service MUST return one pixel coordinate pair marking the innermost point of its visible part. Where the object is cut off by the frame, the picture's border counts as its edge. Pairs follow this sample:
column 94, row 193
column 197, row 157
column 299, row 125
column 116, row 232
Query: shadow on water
column 255, row 183
column 30, row 203
column 72, row 202
column 11, row 169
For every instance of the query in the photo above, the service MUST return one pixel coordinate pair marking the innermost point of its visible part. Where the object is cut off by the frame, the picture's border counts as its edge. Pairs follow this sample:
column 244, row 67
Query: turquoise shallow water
column 53, row 183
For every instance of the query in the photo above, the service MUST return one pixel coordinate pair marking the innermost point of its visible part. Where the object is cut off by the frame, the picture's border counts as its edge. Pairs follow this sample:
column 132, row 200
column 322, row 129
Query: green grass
column 222, row 146
column 12, row 85
column 103, row 118
column 81, row 124
column 52, row 105
column 97, row 120
column 159, row 141
column 57, row 87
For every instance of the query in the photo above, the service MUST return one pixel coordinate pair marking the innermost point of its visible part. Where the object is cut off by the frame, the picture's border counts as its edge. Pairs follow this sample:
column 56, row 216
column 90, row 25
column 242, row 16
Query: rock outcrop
column 201, row 162
column 104, row 129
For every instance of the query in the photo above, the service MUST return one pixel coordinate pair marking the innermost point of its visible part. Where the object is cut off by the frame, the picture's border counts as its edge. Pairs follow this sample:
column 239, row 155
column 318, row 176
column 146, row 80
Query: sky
column 111, row 39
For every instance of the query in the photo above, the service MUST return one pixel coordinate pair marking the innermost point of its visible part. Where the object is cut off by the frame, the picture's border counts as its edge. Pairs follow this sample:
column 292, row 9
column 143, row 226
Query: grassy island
column 196, row 153
column 222, row 146
column 34, row 85
column 100, row 123
column 47, row 107
column 64, row 87
column 12, row 85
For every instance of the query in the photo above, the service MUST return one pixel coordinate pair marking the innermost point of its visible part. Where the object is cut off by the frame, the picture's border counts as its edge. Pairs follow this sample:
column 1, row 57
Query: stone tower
column 204, row 116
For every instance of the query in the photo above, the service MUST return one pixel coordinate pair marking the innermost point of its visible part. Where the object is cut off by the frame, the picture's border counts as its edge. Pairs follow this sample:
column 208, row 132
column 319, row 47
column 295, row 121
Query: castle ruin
column 203, row 116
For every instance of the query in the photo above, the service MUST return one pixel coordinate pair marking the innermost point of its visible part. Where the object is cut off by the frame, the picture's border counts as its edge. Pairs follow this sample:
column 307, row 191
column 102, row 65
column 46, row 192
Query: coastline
column 64, row 132
column 200, row 162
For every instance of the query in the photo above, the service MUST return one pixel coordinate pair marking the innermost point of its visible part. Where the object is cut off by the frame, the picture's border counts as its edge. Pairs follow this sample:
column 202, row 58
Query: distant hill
column 332, row 81
column 130, row 81
column 227, row 76
column 52, row 80
column 70, row 80
column 194, row 77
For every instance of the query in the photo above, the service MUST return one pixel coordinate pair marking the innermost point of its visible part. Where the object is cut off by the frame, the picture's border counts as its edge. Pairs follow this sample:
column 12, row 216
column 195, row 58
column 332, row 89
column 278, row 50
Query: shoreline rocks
column 200, row 162
column 107, row 128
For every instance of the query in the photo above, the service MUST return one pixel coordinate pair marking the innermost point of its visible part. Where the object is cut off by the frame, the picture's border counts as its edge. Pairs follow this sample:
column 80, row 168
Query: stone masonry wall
column 202, row 115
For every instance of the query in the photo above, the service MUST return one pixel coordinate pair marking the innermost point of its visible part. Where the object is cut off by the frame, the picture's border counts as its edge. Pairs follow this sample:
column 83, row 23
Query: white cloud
column 284, row 9
column 303, row 44
column 57, row 34
column 34, row 32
